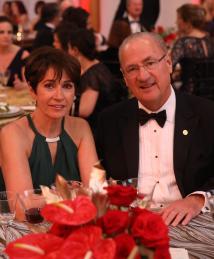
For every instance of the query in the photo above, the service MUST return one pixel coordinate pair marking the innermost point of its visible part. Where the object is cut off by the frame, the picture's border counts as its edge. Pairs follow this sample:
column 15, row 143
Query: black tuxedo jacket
column 44, row 37
column 118, row 142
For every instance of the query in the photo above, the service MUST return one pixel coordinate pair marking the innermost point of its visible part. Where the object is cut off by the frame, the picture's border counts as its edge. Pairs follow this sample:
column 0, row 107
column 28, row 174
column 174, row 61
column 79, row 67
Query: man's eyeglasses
column 148, row 65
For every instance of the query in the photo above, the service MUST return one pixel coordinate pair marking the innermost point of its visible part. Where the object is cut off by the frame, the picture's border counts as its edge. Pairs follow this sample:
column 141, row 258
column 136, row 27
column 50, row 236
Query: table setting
column 102, row 220
column 14, row 103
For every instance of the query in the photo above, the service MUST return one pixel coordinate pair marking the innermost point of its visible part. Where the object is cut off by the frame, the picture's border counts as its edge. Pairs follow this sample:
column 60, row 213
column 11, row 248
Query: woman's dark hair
column 84, row 41
column 5, row 19
column 76, row 15
column 38, row 5
column 21, row 7
column 7, row 4
column 194, row 14
column 49, row 12
column 45, row 58
column 63, row 31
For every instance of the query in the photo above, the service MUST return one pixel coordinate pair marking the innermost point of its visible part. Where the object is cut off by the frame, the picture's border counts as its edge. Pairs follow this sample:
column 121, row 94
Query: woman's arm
column 87, row 155
column 14, row 158
column 88, row 102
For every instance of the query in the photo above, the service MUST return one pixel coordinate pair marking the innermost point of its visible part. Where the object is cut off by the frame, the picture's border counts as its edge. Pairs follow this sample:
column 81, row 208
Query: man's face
column 150, row 85
column 135, row 8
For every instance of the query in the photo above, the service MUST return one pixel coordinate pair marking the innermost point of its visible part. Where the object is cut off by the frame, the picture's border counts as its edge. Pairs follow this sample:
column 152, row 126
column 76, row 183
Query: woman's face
column 54, row 97
column 6, row 8
column 6, row 34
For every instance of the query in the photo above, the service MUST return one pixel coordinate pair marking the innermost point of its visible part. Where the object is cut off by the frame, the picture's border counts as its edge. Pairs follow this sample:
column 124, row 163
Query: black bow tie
column 160, row 117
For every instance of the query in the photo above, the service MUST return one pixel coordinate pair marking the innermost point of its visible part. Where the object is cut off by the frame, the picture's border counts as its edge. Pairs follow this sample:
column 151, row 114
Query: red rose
column 150, row 229
column 124, row 245
column 33, row 246
column 121, row 195
column 88, row 241
column 68, row 212
column 114, row 221
column 160, row 29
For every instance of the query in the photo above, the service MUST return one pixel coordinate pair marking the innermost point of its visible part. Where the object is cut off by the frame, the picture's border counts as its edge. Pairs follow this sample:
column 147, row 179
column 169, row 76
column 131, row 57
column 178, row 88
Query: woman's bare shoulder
column 77, row 123
column 16, row 129
column 77, row 128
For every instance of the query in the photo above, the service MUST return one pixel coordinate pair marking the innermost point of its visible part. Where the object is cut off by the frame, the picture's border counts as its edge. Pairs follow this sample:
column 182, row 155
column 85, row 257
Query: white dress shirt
column 156, row 177
column 135, row 25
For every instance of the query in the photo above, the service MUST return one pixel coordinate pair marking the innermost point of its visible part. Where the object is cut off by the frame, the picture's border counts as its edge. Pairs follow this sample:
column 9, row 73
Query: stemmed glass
column 7, row 209
column 32, row 201
column 4, row 77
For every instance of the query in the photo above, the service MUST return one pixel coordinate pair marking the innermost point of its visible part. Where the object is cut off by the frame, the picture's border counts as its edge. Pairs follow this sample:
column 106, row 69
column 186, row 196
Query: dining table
column 18, row 102
column 193, row 241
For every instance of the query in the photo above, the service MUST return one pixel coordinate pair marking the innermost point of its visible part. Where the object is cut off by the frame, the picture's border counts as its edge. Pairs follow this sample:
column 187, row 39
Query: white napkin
column 178, row 253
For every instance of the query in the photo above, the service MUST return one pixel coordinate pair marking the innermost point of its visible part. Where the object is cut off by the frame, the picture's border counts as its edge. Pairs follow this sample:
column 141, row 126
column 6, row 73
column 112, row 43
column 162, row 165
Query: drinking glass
column 211, row 201
column 127, row 182
column 7, row 208
column 4, row 77
column 32, row 201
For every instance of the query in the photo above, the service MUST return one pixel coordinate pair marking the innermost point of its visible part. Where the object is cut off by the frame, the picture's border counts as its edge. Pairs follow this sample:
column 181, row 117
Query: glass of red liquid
column 32, row 201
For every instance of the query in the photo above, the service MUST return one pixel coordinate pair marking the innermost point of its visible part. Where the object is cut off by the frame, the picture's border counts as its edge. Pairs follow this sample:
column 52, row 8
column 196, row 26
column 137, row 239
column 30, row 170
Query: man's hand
column 182, row 211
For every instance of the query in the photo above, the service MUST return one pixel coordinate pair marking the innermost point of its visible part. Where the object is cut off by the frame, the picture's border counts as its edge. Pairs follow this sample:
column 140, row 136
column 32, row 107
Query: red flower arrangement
column 169, row 34
column 77, row 233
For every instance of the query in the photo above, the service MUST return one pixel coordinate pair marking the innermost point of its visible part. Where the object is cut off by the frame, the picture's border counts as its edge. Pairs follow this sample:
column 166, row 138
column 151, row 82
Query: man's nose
column 143, row 72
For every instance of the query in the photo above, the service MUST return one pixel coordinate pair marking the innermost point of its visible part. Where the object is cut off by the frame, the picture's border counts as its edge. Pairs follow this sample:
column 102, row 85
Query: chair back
column 197, row 76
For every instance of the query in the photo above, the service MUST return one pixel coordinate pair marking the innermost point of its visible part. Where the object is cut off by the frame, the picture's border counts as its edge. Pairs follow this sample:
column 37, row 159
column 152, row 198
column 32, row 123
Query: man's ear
column 73, row 51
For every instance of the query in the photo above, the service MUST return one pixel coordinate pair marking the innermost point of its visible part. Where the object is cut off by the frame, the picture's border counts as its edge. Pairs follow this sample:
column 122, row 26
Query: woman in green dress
column 48, row 141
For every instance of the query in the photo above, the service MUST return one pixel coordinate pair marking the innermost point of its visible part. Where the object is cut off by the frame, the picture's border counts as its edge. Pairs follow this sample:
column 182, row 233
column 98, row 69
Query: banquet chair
column 197, row 76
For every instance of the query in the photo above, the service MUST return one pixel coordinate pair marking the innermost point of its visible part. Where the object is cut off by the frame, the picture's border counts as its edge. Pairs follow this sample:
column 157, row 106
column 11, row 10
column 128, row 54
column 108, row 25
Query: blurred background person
column 64, row 4
column 130, row 19
column 6, row 9
column 97, row 88
column 12, row 57
column 149, row 15
column 193, row 41
column 20, row 16
column 209, row 24
column 50, row 17
column 36, row 22
column 82, row 19
column 62, row 35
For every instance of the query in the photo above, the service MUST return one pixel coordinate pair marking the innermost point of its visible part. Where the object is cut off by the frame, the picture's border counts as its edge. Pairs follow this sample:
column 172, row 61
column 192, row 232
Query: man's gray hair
column 139, row 35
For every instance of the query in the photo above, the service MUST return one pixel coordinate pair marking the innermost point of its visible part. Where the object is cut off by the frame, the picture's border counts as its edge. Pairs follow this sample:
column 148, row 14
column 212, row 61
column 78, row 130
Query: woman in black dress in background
column 98, row 88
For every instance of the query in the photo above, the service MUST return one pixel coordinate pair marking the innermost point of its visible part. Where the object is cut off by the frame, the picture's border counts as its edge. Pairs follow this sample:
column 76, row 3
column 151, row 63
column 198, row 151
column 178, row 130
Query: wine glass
column 4, row 77
column 32, row 201
column 7, row 209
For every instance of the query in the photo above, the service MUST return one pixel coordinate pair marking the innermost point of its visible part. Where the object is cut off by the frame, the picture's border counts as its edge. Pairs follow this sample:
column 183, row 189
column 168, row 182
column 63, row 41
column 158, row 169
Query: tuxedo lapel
column 129, row 128
column 185, row 124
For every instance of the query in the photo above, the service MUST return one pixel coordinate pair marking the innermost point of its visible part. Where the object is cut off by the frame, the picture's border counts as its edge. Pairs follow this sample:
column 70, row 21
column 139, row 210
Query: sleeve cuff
column 206, row 206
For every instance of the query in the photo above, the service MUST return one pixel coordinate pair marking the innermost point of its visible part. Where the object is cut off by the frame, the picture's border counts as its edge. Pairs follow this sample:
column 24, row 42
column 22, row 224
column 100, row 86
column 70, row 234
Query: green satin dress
column 43, row 171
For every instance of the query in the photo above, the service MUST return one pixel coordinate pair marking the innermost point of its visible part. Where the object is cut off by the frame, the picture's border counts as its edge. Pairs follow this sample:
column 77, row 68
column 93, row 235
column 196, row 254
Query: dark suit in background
column 44, row 37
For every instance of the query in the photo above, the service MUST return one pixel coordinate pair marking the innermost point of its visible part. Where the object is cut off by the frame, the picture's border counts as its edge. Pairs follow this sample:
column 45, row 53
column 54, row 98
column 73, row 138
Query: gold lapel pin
column 185, row 132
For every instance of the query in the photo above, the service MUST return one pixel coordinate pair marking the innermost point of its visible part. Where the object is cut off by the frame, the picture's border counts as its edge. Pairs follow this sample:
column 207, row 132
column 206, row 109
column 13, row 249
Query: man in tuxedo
column 50, row 17
column 129, row 23
column 164, row 138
